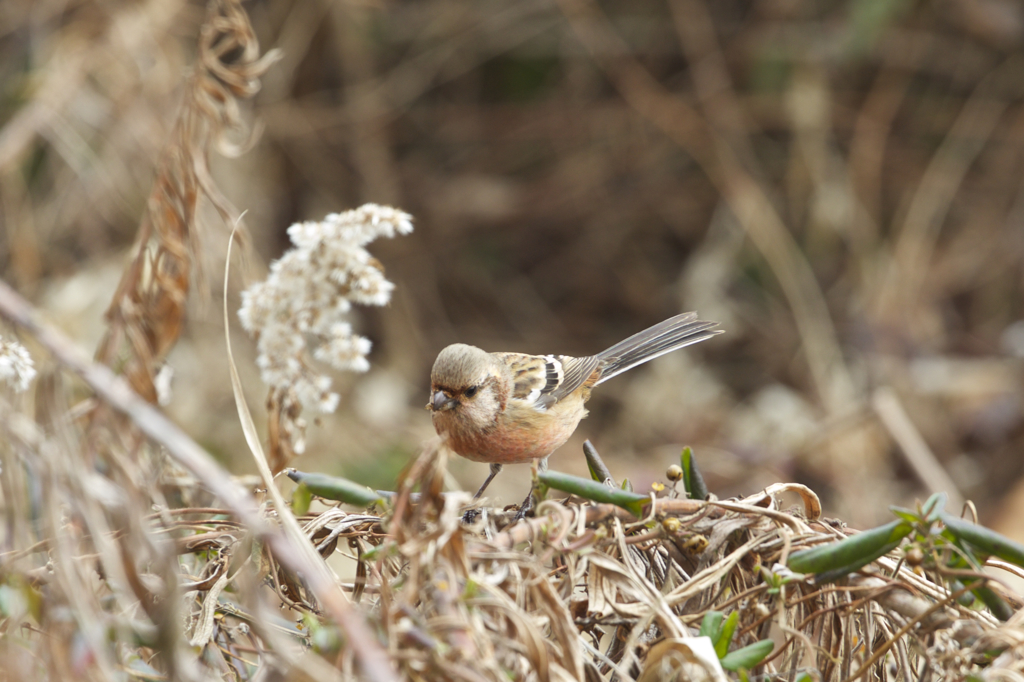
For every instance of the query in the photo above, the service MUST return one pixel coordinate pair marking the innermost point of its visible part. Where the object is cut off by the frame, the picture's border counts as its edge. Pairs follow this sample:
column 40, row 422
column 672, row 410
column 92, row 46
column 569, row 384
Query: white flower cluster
column 16, row 366
column 307, row 294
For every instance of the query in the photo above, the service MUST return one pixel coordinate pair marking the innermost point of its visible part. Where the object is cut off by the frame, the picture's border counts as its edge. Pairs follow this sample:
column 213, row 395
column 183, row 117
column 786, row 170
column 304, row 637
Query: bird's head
column 467, row 386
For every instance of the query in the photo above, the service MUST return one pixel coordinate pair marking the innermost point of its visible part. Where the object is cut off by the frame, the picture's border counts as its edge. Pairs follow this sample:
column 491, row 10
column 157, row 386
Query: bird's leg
column 471, row 514
column 495, row 468
column 527, row 505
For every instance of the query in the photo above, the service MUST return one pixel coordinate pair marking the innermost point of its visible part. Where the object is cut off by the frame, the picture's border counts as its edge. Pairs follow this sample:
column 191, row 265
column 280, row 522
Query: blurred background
column 840, row 184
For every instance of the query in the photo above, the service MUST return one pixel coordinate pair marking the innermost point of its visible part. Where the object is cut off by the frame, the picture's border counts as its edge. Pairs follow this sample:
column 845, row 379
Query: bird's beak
column 440, row 401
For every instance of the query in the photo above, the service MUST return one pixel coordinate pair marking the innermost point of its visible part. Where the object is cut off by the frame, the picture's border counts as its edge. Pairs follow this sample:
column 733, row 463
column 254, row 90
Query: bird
column 509, row 408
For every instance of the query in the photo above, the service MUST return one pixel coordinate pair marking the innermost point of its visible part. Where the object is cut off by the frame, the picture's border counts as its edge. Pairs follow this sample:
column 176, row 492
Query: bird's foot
column 470, row 516
column 526, row 508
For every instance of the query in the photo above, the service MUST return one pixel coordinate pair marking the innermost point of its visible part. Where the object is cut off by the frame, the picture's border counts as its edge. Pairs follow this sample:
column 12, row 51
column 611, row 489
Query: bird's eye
column 471, row 391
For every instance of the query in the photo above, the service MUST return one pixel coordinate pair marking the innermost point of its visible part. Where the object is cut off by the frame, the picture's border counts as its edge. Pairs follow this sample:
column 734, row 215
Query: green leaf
column 693, row 481
column 908, row 515
column 711, row 626
column 598, row 470
column 856, row 550
column 965, row 558
column 988, row 541
column 336, row 488
column 592, row 490
column 847, row 569
column 999, row 608
column 965, row 599
column 381, row 551
column 748, row 656
column 933, row 507
column 725, row 636
column 301, row 499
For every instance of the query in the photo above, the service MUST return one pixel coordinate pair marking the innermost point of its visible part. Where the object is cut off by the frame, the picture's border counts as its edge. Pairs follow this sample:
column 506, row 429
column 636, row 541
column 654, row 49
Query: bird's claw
column 470, row 516
column 524, row 509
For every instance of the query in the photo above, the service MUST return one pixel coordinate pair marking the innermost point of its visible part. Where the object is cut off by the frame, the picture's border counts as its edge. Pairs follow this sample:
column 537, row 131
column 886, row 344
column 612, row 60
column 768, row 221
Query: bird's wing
column 543, row 380
column 576, row 372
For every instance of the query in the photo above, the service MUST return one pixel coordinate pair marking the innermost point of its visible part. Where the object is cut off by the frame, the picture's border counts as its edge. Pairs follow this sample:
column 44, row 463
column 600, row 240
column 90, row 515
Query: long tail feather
column 664, row 337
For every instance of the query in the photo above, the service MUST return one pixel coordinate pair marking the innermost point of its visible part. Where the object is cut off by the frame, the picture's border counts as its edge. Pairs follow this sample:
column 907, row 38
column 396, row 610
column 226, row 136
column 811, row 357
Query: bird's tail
column 664, row 337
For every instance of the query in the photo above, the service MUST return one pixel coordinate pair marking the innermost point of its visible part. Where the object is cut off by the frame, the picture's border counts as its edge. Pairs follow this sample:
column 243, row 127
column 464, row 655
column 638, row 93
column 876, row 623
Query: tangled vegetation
column 128, row 552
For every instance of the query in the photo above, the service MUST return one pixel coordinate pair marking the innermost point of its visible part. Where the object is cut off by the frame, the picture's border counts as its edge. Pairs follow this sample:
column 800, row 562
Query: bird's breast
column 520, row 433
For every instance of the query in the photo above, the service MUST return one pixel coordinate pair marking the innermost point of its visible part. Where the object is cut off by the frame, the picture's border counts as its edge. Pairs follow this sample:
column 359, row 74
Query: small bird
column 508, row 408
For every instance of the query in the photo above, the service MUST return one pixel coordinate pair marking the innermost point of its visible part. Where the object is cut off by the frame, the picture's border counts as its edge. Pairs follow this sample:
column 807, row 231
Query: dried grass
column 582, row 591
column 139, row 558
column 147, row 312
